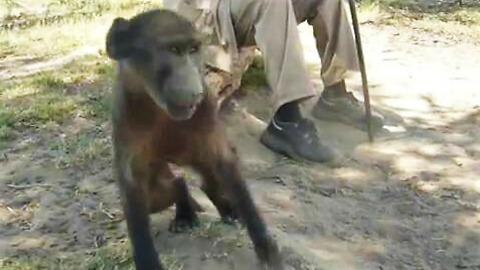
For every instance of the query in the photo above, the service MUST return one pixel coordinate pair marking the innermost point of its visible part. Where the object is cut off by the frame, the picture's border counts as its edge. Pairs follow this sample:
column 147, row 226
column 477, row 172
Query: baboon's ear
column 119, row 39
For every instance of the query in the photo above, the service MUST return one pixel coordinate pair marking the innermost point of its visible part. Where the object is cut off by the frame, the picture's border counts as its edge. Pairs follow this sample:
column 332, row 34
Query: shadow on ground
column 409, row 201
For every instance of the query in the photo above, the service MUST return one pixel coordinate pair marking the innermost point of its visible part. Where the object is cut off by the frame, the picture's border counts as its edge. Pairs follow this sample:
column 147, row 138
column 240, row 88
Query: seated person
column 271, row 26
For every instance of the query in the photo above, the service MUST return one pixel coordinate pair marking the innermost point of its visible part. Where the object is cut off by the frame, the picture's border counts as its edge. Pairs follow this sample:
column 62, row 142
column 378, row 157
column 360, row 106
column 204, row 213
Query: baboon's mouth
column 185, row 106
column 182, row 110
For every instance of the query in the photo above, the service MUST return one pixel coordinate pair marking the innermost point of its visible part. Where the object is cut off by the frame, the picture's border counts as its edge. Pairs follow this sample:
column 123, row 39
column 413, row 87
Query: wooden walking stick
column 363, row 72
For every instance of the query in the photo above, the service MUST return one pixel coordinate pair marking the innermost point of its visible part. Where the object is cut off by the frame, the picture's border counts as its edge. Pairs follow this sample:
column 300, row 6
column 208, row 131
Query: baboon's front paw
column 229, row 215
column 182, row 224
column 229, row 219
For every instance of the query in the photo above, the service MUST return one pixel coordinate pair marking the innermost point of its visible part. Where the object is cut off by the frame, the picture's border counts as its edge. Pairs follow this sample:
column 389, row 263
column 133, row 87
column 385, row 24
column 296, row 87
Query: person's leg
column 335, row 42
column 272, row 26
column 336, row 48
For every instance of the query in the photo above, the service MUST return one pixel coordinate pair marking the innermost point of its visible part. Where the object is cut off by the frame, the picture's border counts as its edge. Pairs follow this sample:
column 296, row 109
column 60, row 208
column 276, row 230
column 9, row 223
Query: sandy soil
column 411, row 200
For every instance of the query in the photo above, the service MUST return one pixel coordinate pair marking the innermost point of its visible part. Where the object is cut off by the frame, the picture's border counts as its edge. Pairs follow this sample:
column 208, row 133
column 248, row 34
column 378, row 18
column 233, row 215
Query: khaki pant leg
column 274, row 28
column 335, row 43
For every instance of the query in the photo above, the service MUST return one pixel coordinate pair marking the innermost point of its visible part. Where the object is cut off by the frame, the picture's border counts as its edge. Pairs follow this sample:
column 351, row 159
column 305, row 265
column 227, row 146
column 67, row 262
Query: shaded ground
column 409, row 201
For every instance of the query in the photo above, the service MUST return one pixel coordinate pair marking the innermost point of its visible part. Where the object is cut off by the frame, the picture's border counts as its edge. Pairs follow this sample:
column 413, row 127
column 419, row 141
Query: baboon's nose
column 197, row 96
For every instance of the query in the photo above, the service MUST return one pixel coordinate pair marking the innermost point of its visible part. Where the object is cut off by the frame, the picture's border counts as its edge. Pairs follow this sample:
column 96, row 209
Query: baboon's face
column 163, row 50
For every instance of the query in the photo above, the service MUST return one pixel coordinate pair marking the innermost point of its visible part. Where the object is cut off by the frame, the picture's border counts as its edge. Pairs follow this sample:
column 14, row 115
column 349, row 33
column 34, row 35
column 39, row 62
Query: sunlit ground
column 409, row 200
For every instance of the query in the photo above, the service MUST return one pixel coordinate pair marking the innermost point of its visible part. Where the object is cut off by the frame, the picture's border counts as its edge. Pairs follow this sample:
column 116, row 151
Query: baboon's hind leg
column 217, row 195
column 165, row 190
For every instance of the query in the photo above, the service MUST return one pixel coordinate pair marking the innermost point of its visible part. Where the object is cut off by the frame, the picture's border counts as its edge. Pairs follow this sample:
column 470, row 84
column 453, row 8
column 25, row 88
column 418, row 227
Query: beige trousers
column 333, row 35
column 272, row 26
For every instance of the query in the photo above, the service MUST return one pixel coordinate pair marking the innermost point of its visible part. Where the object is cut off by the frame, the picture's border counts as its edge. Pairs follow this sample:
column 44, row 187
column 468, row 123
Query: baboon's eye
column 175, row 49
column 194, row 48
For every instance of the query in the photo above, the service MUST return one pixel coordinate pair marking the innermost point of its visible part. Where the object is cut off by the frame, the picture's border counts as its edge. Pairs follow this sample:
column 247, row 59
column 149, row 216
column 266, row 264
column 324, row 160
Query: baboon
column 163, row 114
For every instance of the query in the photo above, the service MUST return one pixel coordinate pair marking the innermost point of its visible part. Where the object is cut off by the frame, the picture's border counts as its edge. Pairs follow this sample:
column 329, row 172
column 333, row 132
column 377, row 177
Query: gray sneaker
column 297, row 140
column 347, row 110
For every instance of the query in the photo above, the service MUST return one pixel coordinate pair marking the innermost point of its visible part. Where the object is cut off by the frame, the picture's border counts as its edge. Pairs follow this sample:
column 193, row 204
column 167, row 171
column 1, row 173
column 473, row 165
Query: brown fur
column 146, row 139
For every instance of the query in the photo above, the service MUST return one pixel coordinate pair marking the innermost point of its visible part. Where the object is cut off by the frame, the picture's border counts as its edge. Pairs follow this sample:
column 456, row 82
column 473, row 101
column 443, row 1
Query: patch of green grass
column 121, row 259
column 255, row 75
column 56, row 27
column 424, row 6
column 80, row 89
column 111, row 258
column 35, row 101
column 97, row 97
column 212, row 229
column 27, row 263
column 43, row 109
column 445, row 11
column 6, row 133
column 81, row 150
column 98, row 106
column 87, row 149
column 116, row 257
column 400, row 4
column 439, row 17
column 27, row 13
column 218, row 232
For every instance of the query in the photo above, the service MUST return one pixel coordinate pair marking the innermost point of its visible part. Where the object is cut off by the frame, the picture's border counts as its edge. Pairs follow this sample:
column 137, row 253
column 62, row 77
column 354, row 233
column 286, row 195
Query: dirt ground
column 411, row 200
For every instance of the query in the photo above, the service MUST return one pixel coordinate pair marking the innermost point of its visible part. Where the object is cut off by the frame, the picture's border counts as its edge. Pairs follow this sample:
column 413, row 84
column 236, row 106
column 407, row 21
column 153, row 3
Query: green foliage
column 255, row 74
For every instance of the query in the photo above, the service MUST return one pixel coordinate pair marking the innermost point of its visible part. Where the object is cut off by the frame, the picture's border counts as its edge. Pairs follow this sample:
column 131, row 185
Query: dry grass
column 439, row 17
column 51, row 99
column 116, row 257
